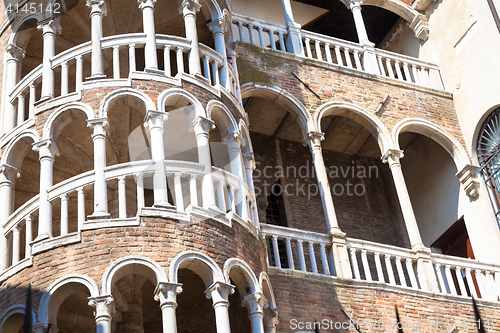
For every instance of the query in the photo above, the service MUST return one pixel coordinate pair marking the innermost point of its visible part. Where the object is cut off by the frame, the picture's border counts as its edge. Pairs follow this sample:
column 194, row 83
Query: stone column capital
column 101, row 305
column 146, row 3
column 97, row 7
column 8, row 174
column 155, row 119
column 46, row 148
column 219, row 25
column 15, row 52
column 249, row 159
column 98, row 126
column 189, row 7
column 166, row 293
column 313, row 140
column 202, row 125
column 469, row 178
column 355, row 4
column 256, row 303
column 392, row 156
column 49, row 26
column 219, row 293
column 234, row 141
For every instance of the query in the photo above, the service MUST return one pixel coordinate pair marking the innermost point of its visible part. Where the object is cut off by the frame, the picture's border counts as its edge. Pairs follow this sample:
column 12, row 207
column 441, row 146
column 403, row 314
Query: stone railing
column 339, row 52
column 70, row 213
column 122, row 50
column 381, row 264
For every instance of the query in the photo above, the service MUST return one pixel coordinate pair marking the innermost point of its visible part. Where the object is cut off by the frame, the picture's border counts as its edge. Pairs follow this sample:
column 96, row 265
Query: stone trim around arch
column 285, row 100
column 365, row 118
column 264, row 278
column 245, row 133
column 196, row 259
column 43, row 308
column 48, row 129
column 436, row 133
column 106, row 101
column 18, row 308
column 249, row 274
column 15, row 30
column 109, row 274
column 198, row 107
column 29, row 133
column 228, row 119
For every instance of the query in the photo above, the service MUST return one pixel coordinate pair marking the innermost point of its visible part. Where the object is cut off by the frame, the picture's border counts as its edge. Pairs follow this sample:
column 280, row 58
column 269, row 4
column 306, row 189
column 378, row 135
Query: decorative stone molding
column 166, row 293
column 219, row 292
column 97, row 6
column 313, row 140
column 15, row 51
column 469, row 177
column 8, row 173
column 420, row 27
column 422, row 5
column 46, row 148
column 255, row 303
column 392, row 156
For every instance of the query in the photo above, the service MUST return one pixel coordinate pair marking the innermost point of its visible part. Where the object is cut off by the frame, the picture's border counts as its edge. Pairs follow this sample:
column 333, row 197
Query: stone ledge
column 27, row 262
column 51, row 243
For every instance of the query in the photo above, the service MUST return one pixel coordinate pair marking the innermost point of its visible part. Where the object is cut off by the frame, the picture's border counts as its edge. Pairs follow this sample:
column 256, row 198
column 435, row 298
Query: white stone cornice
column 469, row 178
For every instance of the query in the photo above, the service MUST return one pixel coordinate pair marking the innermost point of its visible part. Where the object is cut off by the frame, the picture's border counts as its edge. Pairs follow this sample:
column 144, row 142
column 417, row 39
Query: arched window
column 488, row 155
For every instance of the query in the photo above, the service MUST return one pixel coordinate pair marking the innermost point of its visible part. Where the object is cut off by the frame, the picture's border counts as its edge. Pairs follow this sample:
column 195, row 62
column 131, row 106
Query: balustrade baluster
column 398, row 70
column 206, row 68
column 215, row 71
column 289, row 253
column 407, row 72
column 317, row 45
column 20, row 108
column 64, row 214
column 64, row 79
column 366, row 267
column 312, row 257
column 354, row 263
column 357, row 60
column 411, row 273
column 328, row 53
column 439, row 275
column 250, row 34
column 116, row 62
column 272, row 40
column 282, row 41
column 378, row 265
column 131, row 58
column 166, row 60
column 308, row 47
column 424, row 77
column 347, row 57
column 122, row 198
column 490, row 286
column 81, row 207
column 232, row 198
column 460, row 279
column 32, row 100
column 324, row 260
column 302, row 259
column 390, row 272
column 140, row 191
column 470, row 282
column 16, row 244
column 79, row 73
column 179, row 197
column 29, row 236
column 193, row 191
column 389, row 68
column 416, row 74
column 480, row 283
column 220, row 195
column 180, row 60
column 240, row 31
column 449, row 279
column 261, row 37
column 381, row 65
column 338, row 55
column 401, row 274
column 277, row 260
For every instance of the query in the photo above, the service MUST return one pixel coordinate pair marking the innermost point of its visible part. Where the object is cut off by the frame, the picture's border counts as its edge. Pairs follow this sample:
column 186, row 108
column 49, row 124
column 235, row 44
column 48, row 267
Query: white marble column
column 219, row 293
column 219, row 28
column 49, row 30
column 8, row 174
column 155, row 122
column 234, row 141
column 255, row 304
column 270, row 320
column 98, row 127
column 148, row 23
column 294, row 40
column 188, row 9
column 14, row 56
column 249, row 161
column 102, row 312
column 166, row 294
column 97, row 11
column 202, row 127
column 47, row 150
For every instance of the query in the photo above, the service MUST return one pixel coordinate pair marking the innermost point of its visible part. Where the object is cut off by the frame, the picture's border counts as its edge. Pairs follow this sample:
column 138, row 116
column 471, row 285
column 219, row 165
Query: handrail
column 71, row 53
column 267, row 25
column 27, row 208
column 332, row 40
column 25, row 81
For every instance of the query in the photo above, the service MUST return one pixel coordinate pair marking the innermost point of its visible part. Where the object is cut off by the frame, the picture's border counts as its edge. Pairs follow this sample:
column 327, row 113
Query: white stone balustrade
column 260, row 33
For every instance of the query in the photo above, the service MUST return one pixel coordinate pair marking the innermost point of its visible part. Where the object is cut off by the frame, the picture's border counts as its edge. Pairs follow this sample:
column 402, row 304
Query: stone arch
column 436, row 133
column 220, row 114
column 243, row 276
column 134, row 264
column 285, row 100
column 51, row 131
column 267, row 289
column 245, row 133
column 19, row 38
column 106, row 101
column 11, row 319
column 477, row 130
column 171, row 93
column 360, row 115
column 9, row 157
column 200, row 264
column 210, row 8
column 59, row 290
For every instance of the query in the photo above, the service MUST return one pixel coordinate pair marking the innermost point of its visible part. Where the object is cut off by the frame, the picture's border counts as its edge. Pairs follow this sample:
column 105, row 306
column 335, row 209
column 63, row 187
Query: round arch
column 18, row 38
column 107, row 100
column 136, row 264
column 50, row 297
column 285, row 100
column 434, row 132
column 171, row 93
column 49, row 128
column 246, row 275
column 245, row 133
column 221, row 115
column 199, row 263
column 477, row 131
column 18, row 309
column 267, row 289
column 8, row 154
column 360, row 115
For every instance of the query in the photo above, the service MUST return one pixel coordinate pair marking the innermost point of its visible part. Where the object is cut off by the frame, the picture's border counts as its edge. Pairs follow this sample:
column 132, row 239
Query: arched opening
column 434, row 189
column 224, row 126
column 13, row 324
column 69, row 311
column 245, row 286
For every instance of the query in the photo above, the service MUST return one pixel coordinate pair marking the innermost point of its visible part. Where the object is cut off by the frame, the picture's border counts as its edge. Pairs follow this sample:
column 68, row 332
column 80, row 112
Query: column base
column 164, row 205
column 96, row 77
column 154, row 71
column 99, row 216
column 43, row 99
column 42, row 237
column 341, row 255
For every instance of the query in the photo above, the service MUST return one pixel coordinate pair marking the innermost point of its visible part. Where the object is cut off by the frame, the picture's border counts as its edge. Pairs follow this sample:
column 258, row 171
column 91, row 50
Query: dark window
column 275, row 211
